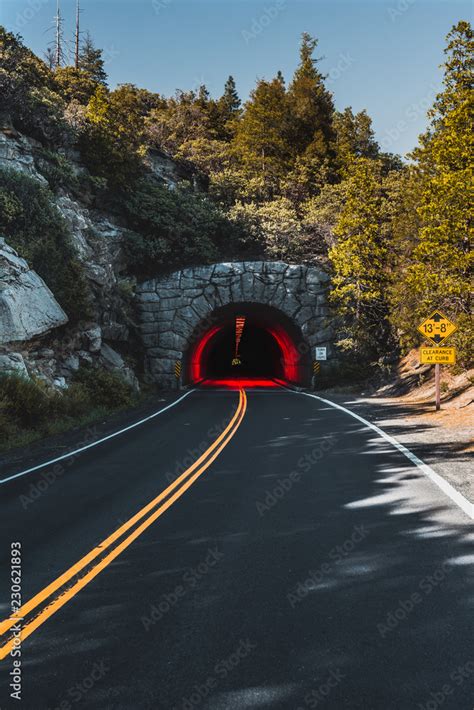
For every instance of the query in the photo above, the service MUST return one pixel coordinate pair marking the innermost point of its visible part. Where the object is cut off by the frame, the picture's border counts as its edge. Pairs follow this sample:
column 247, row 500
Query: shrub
column 57, row 170
column 176, row 227
column 29, row 93
column 25, row 402
column 29, row 408
column 106, row 389
column 34, row 227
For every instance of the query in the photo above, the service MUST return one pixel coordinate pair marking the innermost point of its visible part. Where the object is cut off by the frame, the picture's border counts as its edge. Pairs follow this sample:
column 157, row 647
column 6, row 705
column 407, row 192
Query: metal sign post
column 437, row 387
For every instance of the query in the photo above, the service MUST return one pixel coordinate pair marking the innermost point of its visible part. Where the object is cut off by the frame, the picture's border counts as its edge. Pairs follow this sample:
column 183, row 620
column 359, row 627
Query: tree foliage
column 285, row 175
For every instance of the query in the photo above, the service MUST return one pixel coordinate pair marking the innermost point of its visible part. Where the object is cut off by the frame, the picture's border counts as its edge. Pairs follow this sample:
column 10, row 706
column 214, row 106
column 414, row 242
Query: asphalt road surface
column 241, row 550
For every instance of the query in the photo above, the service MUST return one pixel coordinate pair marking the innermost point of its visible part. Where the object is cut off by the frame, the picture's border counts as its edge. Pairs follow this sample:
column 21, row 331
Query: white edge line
column 446, row 487
column 94, row 443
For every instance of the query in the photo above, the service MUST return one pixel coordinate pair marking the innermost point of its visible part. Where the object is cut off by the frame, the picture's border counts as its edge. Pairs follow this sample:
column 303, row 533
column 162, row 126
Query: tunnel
column 247, row 344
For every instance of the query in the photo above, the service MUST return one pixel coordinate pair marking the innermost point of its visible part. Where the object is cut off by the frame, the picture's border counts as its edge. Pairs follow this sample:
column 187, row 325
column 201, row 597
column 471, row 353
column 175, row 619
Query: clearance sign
column 440, row 356
column 437, row 328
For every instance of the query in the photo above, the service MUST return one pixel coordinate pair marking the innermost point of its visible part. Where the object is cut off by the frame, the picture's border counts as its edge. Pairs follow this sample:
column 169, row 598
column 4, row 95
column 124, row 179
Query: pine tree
column 230, row 100
column 226, row 111
column 354, row 137
column 311, row 106
column 261, row 143
column 440, row 270
column 91, row 61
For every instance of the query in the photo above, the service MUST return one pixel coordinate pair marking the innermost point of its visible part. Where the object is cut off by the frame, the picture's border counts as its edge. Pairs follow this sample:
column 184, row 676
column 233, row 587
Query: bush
column 25, row 402
column 105, row 389
column 34, row 227
column 29, row 93
column 30, row 409
column 177, row 227
column 57, row 170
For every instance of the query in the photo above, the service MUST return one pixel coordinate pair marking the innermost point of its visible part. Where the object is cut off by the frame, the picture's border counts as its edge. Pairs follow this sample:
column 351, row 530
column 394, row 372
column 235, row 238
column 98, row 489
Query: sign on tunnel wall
column 179, row 311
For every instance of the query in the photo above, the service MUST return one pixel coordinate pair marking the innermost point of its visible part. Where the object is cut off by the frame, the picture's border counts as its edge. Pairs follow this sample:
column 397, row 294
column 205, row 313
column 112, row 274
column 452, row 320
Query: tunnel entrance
column 271, row 348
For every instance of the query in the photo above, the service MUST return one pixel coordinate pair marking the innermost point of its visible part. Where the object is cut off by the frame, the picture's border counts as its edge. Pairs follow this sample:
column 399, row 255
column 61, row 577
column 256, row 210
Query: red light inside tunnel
column 196, row 368
column 289, row 353
column 237, row 383
column 289, row 359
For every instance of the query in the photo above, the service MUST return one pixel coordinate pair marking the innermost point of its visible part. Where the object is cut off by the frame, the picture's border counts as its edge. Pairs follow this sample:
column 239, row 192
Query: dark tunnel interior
column 271, row 348
column 259, row 354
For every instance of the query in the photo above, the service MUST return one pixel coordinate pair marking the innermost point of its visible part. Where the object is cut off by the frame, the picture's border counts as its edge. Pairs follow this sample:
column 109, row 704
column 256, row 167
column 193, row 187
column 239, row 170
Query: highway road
column 243, row 549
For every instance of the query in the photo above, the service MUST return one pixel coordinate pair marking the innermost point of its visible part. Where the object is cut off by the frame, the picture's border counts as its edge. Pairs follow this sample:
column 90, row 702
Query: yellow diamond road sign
column 437, row 356
column 437, row 328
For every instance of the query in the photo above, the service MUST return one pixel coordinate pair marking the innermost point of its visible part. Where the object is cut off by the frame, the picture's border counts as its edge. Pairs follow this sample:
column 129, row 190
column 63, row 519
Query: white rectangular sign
column 320, row 353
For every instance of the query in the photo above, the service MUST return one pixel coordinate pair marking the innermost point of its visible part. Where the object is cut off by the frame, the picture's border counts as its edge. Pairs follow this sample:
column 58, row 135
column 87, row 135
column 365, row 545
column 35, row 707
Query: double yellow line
column 50, row 599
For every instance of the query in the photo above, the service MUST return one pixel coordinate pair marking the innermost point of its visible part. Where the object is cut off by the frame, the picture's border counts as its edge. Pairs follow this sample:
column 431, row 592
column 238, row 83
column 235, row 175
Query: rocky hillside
column 36, row 336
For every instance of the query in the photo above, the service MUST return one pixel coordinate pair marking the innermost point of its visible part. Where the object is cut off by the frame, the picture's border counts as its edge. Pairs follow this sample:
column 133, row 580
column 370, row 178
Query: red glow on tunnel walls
column 196, row 367
column 289, row 354
column 289, row 351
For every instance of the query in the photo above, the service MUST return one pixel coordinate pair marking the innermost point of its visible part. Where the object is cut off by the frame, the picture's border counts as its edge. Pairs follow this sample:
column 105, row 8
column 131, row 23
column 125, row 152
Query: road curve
column 302, row 562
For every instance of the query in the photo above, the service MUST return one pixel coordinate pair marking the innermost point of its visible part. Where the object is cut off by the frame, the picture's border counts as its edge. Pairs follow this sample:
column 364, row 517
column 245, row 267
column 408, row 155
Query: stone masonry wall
column 172, row 307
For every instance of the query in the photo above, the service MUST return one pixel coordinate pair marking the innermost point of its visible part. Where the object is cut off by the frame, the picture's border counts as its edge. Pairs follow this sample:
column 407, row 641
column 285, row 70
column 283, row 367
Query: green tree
column 29, row 96
column 91, row 61
column 359, row 260
column 228, row 110
column 74, row 84
column 312, row 110
column 260, row 144
column 113, row 143
column 175, row 227
column 439, row 270
column 354, row 137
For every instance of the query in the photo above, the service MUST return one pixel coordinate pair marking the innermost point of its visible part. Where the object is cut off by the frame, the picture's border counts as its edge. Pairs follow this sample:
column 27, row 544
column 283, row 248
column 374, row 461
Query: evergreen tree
column 311, row 107
column 227, row 111
column 439, row 272
column 230, row 101
column 354, row 137
column 91, row 61
column 261, row 143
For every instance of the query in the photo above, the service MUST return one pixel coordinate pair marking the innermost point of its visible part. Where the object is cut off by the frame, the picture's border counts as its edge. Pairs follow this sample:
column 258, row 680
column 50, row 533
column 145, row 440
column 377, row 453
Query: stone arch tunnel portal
column 271, row 348
column 188, row 322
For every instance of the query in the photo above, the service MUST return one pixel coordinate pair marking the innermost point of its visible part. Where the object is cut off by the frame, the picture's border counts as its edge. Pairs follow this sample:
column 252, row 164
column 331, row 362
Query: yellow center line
column 56, row 604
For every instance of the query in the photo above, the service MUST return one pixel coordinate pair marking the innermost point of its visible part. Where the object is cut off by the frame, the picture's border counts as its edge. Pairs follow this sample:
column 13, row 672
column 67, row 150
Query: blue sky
column 382, row 55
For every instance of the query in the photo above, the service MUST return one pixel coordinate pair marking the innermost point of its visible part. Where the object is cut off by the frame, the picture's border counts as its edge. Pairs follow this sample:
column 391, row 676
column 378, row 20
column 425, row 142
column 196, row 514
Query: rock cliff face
column 27, row 306
column 29, row 313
